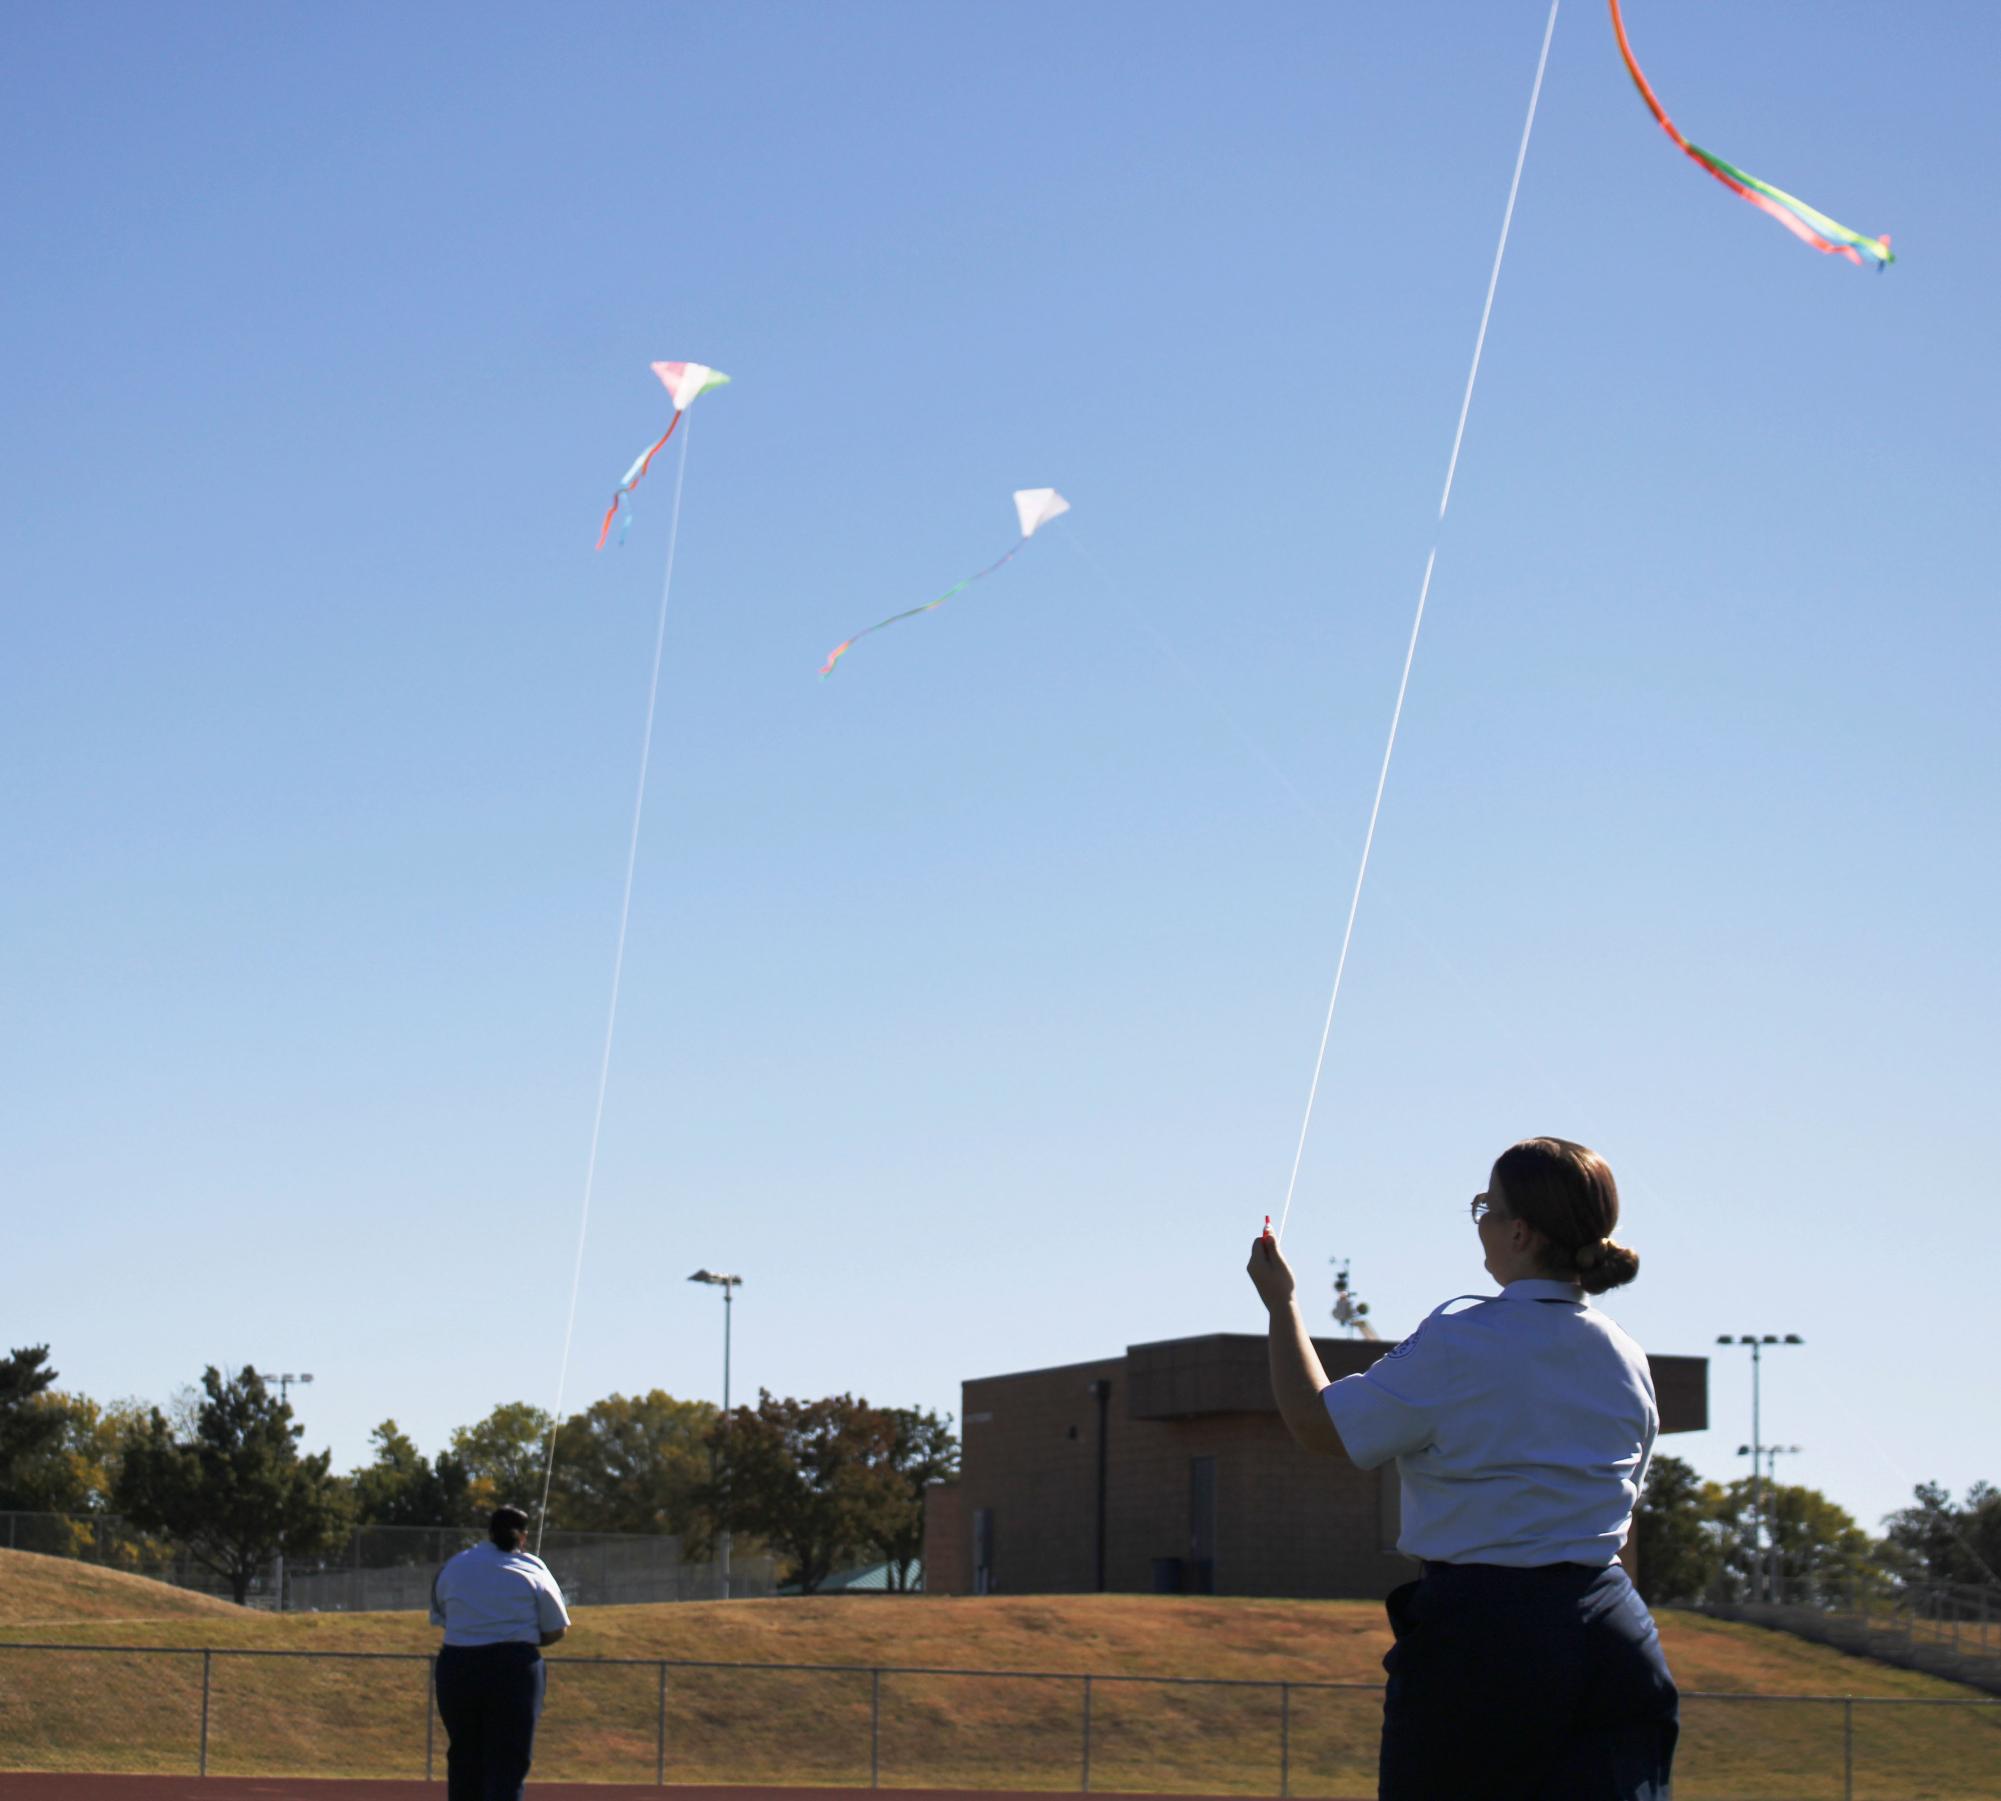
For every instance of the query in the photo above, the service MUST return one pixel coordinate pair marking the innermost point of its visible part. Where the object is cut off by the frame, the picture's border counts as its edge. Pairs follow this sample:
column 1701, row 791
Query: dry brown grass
column 275, row 1714
column 35, row 1591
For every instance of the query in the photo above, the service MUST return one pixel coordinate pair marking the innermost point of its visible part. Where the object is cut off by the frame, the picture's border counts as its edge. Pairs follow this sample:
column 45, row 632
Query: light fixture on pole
column 729, row 1285
column 285, row 1386
column 1757, row 1342
column 284, row 1400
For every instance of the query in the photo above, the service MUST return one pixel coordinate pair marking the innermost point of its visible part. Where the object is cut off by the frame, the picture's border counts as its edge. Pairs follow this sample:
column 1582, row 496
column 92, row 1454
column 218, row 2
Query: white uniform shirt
column 1521, row 1429
column 487, row 1596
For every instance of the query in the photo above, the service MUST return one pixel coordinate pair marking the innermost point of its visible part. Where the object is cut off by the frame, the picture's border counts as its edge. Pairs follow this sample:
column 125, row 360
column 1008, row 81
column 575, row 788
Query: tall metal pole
column 729, row 1298
column 1760, row 1562
column 729, row 1286
column 1757, row 1470
column 285, row 1382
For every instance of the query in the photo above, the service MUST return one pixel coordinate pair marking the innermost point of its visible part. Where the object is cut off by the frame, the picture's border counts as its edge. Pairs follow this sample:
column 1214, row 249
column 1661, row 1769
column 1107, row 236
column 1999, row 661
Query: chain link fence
column 389, row 1568
column 133, row 1709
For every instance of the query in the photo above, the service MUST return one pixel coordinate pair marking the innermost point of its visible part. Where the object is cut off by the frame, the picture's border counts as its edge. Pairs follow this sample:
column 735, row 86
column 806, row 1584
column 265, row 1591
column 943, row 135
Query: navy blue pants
column 1526, row 1685
column 489, row 1697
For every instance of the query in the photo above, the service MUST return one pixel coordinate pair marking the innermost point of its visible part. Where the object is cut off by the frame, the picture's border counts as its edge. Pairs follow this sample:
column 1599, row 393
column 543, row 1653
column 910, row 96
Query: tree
column 805, row 1476
column 1820, row 1550
column 27, row 1428
column 1936, row 1541
column 74, row 1469
column 1675, row 1524
column 503, row 1457
column 635, row 1463
column 922, row 1450
column 237, row 1493
column 400, row 1488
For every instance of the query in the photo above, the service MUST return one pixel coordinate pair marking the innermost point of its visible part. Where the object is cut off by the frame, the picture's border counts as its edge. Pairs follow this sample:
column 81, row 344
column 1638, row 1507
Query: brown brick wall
column 948, row 1540
column 1286, row 1523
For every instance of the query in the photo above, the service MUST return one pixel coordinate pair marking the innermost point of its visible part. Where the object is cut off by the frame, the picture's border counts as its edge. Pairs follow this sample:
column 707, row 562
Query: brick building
column 1169, row 1469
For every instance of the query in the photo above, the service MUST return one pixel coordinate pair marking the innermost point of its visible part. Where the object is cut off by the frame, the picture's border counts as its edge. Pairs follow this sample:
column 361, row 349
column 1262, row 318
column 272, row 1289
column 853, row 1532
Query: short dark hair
column 507, row 1527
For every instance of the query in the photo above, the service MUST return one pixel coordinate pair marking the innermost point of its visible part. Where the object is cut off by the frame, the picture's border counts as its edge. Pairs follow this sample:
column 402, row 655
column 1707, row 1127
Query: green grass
column 107, row 1710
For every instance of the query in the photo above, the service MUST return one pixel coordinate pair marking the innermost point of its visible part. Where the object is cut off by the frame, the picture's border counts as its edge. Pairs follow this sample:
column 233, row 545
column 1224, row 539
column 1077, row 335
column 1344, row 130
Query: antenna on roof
column 1352, row 1314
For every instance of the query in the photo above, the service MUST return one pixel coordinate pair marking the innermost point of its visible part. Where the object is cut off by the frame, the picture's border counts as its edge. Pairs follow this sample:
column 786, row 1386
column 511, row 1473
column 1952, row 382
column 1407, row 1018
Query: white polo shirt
column 1521, row 1429
column 487, row 1596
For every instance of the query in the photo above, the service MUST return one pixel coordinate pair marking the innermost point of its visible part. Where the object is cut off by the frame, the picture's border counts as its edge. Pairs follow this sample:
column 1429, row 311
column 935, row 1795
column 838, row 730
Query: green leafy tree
column 1677, row 1531
column 804, row 1476
column 1934, row 1540
column 29, row 1427
column 921, row 1449
column 1821, row 1552
column 237, row 1493
column 76, row 1467
column 635, row 1463
column 402, row 1488
column 503, row 1457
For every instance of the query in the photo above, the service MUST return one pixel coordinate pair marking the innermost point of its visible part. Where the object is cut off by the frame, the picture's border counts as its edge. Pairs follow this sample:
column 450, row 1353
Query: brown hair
column 1566, row 1193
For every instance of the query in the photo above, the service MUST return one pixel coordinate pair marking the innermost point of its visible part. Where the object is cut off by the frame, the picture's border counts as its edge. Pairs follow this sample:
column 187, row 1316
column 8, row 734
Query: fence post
column 660, row 1746
column 875, row 1729
column 1087, row 1735
column 430, row 1709
column 1848, row 1748
column 1285, row 1738
column 207, row 1658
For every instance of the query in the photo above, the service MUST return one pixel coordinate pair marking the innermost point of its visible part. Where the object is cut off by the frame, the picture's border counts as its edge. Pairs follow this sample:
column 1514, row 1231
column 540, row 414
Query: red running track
column 37, row 1786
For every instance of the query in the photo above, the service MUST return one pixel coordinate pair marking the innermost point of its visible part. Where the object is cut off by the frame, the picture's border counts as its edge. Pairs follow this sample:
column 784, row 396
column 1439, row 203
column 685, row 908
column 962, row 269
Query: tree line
column 1736, row 1541
column 821, row 1484
column 220, row 1475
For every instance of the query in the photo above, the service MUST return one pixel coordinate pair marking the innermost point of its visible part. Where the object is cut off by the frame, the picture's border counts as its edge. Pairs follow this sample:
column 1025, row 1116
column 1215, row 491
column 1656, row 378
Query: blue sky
column 971, row 997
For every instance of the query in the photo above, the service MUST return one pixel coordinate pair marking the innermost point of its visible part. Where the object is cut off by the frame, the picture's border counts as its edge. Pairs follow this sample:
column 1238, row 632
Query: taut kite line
column 1033, row 507
column 1806, row 223
column 684, row 382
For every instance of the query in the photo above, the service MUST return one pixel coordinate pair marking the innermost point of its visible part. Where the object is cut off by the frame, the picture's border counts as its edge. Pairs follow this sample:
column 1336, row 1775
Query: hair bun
column 1606, row 1264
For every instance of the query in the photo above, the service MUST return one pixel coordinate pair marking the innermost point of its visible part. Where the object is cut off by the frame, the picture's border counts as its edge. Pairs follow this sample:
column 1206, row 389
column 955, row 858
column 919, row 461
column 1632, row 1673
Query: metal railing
column 1945, row 1629
column 651, row 1721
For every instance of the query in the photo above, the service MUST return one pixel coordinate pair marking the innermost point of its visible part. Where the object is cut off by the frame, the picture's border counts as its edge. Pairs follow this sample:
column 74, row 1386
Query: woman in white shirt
column 499, row 1606
column 1526, row 1667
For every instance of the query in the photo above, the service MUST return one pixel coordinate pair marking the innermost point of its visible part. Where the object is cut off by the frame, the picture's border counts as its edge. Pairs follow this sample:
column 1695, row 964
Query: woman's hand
column 1270, row 1274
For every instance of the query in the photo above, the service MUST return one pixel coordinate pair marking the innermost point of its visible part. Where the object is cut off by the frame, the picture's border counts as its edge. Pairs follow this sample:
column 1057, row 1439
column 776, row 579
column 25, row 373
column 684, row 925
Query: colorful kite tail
column 833, row 657
column 1806, row 223
column 632, row 480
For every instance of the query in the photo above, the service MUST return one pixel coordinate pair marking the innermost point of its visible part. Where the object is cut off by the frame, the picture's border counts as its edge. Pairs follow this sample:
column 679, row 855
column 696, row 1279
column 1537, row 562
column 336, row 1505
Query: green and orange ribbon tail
column 1808, row 224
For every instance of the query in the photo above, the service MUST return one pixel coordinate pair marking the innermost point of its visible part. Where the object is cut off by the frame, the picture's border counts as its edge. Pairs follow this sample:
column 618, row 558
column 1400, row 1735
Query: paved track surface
column 15, row 1786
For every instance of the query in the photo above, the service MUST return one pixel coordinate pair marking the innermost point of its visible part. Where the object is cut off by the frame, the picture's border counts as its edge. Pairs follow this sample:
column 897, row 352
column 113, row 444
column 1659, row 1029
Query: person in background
column 1526, row 1667
column 499, row 1606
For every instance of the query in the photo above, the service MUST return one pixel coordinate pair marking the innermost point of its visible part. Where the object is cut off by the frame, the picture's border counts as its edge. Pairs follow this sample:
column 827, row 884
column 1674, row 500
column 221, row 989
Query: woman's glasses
column 1481, row 1208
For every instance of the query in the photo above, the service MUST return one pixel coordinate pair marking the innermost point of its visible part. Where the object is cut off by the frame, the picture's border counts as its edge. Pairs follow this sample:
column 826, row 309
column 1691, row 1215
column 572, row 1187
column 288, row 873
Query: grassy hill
column 41, row 1590
column 364, row 1712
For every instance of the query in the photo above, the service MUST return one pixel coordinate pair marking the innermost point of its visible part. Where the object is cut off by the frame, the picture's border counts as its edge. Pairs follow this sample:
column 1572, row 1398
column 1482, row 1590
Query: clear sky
column 971, row 996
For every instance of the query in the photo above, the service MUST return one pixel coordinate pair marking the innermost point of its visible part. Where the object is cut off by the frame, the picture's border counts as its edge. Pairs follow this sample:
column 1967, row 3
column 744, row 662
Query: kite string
column 1417, row 623
column 617, row 976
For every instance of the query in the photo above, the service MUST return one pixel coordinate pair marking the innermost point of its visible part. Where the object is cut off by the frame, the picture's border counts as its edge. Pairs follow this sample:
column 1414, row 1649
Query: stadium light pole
column 1757, row 1342
column 285, row 1400
column 1772, row 1455
column 729, row 1285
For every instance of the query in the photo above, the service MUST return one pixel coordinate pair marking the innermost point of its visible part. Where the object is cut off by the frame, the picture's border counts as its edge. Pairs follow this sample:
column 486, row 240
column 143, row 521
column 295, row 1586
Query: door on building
column 983, row 1550
column 1202, row 1525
